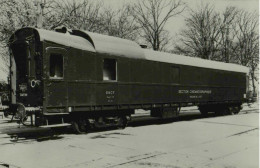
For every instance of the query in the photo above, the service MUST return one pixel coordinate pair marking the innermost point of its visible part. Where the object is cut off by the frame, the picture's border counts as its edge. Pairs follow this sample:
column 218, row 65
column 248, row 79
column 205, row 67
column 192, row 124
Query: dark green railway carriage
column 80, row 77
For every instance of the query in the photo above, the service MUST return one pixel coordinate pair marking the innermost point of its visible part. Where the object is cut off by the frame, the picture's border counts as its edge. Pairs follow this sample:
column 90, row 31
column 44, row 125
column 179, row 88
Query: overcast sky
column 177, row 23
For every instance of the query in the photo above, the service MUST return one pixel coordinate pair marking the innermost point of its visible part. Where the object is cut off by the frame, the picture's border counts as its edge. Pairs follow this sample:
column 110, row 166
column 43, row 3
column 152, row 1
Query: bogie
column 82, row 125
column 220, row 109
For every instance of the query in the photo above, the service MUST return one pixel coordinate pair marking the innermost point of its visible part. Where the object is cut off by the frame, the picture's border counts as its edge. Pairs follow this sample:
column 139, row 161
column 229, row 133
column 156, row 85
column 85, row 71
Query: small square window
column 56, row 65
column 109, row 70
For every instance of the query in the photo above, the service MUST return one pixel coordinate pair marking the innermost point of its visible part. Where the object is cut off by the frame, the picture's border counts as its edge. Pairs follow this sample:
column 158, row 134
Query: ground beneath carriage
column 190, row 141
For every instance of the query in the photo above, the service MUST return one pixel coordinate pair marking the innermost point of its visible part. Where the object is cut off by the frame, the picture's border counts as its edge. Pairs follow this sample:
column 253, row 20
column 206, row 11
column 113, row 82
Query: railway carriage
column 87, row 79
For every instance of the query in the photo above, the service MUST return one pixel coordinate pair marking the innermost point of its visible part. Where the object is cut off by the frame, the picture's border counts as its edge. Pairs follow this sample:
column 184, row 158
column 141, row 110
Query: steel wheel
column 230, row 110
column 79, row 127
column 236, row 110
column 122, row 122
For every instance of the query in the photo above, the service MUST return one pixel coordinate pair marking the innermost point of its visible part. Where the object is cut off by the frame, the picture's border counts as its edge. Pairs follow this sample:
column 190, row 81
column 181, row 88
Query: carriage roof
column 122, row 47
column 99, row 43
column 193, row 61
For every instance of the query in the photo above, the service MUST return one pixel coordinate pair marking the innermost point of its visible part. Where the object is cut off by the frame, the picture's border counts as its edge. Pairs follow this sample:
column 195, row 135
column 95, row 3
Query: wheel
column 79, row 126
column 14, row 137
column 226, row 110
column 6, row 113
column 20, row 112
column 24, row 121
column 122, row 122
column 236, row 110
column 230, row 110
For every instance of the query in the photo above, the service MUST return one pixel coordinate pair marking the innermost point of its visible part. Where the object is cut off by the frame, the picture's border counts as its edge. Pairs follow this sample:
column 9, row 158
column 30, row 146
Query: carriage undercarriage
column 83, row 122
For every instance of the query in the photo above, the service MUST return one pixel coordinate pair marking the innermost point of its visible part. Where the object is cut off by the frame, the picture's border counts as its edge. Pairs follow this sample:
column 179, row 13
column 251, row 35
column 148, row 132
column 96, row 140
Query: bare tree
column 229, row 37
column 119, row 23
column 152, row 16
column 14, row 14
column 227, row 34
column 246, row 46
column 201, row 36
column 73, row 14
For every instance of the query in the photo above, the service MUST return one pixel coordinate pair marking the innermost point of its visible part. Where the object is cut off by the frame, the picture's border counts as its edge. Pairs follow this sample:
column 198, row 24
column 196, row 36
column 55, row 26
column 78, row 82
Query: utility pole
column 227, row 45
column 39, row 13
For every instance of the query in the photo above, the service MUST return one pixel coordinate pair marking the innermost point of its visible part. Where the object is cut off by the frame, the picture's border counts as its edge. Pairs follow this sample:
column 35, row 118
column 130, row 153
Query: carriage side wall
column 137, row 83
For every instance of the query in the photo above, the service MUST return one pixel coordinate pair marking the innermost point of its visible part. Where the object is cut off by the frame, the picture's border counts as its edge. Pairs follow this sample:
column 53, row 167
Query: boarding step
column 55, row 125
column 49, row 114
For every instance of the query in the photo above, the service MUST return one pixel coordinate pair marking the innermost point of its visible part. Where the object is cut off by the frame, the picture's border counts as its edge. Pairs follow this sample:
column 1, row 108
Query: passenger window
column 109, row 70
column 56, row 65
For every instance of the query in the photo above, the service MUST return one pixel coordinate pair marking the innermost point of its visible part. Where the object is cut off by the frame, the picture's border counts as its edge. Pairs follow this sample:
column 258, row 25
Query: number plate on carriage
column 23, row 89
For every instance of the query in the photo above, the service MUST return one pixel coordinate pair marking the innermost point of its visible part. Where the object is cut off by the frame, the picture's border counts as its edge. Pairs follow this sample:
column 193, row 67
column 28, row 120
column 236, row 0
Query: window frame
column 55, row 50
column 116, row 76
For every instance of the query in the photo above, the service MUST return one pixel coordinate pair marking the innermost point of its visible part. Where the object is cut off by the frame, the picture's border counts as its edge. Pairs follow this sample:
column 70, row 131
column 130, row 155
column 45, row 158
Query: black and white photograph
column 129, row 83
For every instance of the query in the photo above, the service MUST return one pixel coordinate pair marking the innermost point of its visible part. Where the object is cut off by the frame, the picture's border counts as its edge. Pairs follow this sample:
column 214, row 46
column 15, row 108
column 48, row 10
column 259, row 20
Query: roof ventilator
column 63, row 29
column 143, row 46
